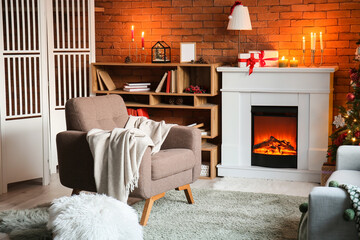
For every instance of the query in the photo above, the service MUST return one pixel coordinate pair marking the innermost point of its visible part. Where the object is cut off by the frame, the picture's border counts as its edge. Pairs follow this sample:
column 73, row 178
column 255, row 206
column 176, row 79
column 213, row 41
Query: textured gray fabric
column 170, row 161
column 326, row 208
column 345, row 177
column 348, row 158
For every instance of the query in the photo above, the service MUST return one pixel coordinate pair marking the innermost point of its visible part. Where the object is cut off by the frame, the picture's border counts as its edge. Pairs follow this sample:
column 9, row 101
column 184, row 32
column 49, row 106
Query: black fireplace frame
column 273, row 161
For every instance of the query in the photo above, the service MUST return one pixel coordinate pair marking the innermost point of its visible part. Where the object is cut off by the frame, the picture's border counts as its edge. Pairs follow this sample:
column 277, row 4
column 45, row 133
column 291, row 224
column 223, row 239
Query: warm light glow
column 132, row 27
column 283, row 58
column 275, row 135
column 293, row 58
column 353, row 139
column 349, row 131
column 142, row 34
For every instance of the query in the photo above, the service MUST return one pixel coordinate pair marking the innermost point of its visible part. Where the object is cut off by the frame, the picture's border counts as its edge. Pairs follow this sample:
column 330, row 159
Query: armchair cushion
column 103, row 112
column 171, row 161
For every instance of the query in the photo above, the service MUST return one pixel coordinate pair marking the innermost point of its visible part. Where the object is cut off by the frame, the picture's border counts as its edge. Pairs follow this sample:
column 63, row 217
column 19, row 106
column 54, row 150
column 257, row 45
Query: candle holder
column 312, row 64
column 143, row 55
column 133, row 58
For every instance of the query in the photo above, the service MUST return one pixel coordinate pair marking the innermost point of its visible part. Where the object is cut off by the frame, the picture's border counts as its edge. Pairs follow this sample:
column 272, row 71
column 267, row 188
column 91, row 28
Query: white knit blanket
column 118, row 153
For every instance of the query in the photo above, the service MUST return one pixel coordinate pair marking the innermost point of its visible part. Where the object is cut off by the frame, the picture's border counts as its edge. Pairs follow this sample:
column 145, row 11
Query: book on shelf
column 100, row 82
column 138, row 84
column 104, row 77
column 196, row 125
column 142, row 112
column 168, row 82
column 161, row 84
column 173, row 81
column 136, row 89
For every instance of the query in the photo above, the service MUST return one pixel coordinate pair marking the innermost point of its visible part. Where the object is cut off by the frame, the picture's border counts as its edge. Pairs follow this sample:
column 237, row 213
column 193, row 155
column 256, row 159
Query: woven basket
column 326, row 170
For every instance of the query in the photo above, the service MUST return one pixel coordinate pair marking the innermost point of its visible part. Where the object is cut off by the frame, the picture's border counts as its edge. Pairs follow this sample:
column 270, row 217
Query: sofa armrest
column 76, row 164
column 186, row 137
column 326, row 209
column 347, row 158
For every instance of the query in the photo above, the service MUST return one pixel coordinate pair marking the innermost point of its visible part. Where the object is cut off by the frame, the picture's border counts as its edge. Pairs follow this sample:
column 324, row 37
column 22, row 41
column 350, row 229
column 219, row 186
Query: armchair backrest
column 103, row 112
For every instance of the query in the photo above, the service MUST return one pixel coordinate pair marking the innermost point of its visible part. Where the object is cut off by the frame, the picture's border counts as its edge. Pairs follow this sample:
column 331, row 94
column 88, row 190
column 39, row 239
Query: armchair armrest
column 76, row 164
column 326, row 209
column 73, row 155
column 185, row 137
column 348, row 158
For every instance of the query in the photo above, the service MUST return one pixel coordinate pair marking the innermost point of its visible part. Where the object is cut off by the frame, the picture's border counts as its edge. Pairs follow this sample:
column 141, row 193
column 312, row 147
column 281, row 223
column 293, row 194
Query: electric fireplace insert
column 274, row 136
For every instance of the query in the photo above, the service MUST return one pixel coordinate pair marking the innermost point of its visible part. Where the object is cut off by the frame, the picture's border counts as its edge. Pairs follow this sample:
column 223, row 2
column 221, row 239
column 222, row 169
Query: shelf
column 200, row 108
column 153, row 93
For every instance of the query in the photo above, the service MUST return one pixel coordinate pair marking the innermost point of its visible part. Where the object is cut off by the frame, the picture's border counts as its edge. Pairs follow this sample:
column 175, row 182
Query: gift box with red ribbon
column 249, row 60
column 267, row 58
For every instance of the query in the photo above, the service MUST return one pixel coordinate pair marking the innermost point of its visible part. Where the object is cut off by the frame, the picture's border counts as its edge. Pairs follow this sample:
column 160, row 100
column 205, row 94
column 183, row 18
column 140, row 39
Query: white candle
column 303, row 42
column 312, row 41
column 321, row 42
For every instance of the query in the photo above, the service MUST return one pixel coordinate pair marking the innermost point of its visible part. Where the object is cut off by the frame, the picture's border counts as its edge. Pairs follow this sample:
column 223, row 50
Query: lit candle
column 312, row 41
column 321, row 42
column 142, row 41
column 294, row 62
column 132, row 33
column 283, row 62
column 304, row 43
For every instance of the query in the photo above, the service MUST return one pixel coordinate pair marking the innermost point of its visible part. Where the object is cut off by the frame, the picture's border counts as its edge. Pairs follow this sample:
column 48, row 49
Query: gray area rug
column 223, row 215
column 215, row 215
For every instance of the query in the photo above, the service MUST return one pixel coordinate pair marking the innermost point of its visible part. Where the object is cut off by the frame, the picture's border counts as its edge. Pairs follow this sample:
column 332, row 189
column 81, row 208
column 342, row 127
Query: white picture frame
column 187, row 52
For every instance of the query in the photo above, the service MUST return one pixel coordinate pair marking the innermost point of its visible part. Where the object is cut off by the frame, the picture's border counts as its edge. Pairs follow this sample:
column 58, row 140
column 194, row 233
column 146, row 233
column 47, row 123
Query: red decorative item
column 350, row 97
column 250, row 62
column 194, row 89
column 357, row 134
column 233, row 6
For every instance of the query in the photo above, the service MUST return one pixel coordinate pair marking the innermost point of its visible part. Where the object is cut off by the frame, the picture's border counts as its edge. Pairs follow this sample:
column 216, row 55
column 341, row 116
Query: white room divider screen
column 45, row 51
column 71, row 50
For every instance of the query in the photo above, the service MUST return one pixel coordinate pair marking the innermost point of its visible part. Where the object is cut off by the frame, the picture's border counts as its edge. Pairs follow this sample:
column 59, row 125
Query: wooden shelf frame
column 187, row 74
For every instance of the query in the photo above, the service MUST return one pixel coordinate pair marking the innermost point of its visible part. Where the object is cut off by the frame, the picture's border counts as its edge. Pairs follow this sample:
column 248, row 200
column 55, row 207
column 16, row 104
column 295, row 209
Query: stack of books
column 137, row 87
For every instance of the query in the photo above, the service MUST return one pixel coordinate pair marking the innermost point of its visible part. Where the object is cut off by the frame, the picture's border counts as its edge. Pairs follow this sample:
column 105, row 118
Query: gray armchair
column 175, row 166
column 327, row 204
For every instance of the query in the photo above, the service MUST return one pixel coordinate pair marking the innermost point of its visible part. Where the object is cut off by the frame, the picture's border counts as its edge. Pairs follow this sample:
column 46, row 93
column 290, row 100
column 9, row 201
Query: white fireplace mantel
column 309, row 89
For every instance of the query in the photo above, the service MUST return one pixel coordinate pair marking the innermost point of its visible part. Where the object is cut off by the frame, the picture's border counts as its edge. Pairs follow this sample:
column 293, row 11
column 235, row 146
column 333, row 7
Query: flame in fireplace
column 275, row 135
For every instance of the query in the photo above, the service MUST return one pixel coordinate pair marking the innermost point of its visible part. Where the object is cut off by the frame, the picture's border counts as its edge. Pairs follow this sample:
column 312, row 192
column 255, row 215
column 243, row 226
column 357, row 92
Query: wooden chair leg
column 188, row 193
column 75, row 192
column 147, row 208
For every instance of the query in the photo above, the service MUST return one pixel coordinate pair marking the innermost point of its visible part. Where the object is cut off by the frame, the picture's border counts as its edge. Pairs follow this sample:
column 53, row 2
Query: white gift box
column 242, row 61
column 271, row 57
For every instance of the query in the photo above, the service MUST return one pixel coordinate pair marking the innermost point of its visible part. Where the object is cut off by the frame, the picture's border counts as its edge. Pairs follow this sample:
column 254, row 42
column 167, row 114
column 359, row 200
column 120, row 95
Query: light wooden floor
column 31, row 193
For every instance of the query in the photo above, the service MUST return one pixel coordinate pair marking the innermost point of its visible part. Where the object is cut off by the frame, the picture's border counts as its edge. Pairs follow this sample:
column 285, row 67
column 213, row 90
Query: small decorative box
column 244, row 59
column 205, row 170
column 270, row 58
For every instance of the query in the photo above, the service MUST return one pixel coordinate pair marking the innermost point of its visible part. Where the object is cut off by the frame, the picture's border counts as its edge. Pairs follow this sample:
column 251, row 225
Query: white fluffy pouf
column 93, row 216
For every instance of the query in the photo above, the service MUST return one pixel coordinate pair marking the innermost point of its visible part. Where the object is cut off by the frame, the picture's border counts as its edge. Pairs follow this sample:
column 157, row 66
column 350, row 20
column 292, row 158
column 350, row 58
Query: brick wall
column 277, row 24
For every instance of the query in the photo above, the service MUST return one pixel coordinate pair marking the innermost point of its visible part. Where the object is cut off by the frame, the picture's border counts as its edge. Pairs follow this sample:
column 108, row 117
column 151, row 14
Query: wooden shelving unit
column 196, row 108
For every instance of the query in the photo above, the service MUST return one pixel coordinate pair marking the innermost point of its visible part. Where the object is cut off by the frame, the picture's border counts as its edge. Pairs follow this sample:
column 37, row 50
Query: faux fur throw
column 118, row 153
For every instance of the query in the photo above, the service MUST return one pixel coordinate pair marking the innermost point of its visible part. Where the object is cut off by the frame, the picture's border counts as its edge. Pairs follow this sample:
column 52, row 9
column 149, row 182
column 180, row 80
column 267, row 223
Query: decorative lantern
column 357, row 52
column 161, row 53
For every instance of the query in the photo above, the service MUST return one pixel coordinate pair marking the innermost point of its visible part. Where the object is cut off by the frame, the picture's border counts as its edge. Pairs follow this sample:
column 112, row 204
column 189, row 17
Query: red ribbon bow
column 250, row 62
column 233, row 6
